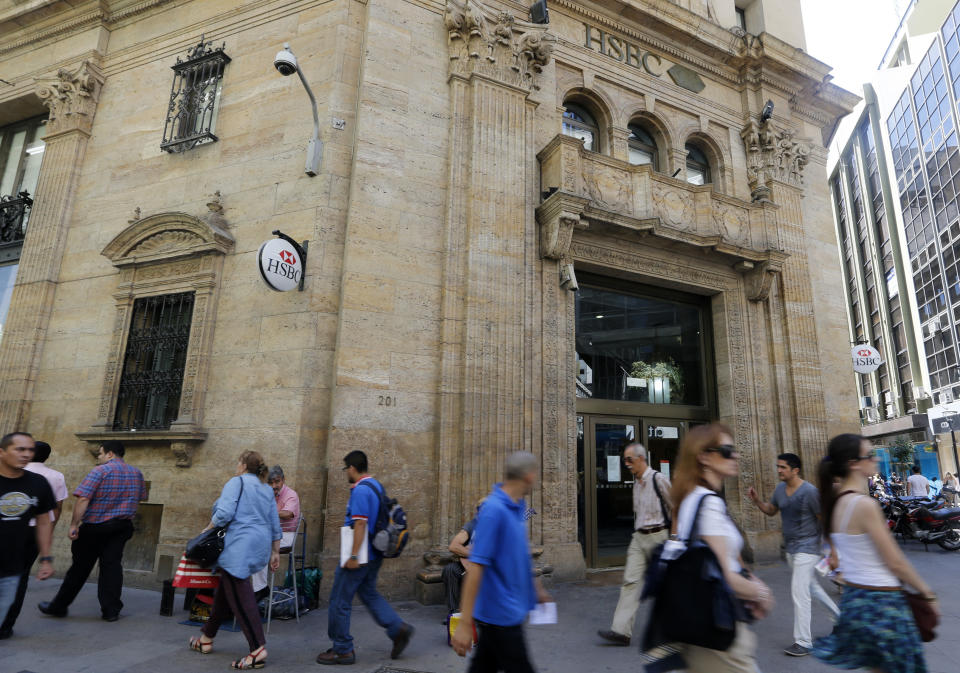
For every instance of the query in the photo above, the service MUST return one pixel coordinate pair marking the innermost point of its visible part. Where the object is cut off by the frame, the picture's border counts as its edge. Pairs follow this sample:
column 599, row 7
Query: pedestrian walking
column 288, row 509
column 798, row 502
column 102, row 522
column 917, row 484
column 651, row 489
column 876, row 628
column 246, row 506
column 23, row 496
column 353, row 579
column 707, row 456
column 499, row 589
column 58, row 485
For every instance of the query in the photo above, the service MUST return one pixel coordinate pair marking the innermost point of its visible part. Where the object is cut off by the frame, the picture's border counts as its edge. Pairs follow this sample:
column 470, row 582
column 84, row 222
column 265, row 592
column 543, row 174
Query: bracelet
column 930, row 598
column 763, row 594
column 46, row 559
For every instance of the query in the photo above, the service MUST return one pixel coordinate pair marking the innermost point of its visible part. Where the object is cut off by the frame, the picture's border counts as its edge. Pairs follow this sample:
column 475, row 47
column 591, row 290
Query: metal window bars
column 149, row 394
column 194, row 98
column 14, row 212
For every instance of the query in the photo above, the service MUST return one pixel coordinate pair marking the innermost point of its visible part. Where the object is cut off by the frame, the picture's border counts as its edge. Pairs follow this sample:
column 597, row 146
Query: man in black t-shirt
column 23, row 496
column 454, row 571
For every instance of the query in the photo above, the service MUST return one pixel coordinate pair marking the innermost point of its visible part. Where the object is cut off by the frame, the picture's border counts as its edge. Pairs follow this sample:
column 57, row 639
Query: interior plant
column 663, row 368
column 902, row 453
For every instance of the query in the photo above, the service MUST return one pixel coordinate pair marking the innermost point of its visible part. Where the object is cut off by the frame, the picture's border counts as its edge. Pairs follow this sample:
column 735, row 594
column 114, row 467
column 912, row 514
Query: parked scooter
column 926, row 520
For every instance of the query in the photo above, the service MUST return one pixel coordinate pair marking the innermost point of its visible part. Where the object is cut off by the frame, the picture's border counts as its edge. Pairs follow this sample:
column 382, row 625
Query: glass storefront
column 639, row 349
column 8, row 276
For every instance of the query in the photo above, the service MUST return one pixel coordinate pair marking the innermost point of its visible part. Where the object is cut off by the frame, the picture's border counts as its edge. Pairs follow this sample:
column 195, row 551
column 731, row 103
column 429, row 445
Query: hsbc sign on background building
column 281, row 264
column 866, row 359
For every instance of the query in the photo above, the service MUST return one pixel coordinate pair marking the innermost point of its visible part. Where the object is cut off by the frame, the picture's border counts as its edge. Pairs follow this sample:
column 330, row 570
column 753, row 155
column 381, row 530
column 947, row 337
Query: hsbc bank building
column 553, row 236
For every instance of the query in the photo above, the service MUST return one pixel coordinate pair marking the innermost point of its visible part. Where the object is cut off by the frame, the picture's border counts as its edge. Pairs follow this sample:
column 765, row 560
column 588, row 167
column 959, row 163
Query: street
column 145, row 641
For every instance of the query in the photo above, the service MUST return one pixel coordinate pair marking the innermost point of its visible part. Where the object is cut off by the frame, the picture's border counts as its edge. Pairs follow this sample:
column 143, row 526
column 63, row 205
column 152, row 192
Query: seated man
column 288, row 509
column 453, row 572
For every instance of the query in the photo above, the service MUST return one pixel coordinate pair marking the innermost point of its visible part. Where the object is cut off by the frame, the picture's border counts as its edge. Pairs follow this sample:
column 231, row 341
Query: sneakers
column 48, row 609
column 331, row 657
column 401, row 640
column 614, row 637
column 797, row 650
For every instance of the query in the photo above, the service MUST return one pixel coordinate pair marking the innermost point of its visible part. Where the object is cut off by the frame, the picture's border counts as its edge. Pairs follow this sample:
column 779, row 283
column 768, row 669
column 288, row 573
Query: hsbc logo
column 281, row 265
column 866, row 359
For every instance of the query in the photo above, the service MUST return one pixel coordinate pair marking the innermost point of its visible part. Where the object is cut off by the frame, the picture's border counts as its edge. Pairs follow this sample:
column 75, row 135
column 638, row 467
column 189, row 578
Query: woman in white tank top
column 875, row 629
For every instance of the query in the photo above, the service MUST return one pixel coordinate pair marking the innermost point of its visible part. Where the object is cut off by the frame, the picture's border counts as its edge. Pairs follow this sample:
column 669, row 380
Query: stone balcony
column 582, row 188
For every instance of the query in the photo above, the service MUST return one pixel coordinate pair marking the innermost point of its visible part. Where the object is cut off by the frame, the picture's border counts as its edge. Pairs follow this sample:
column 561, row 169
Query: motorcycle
column 926, row 520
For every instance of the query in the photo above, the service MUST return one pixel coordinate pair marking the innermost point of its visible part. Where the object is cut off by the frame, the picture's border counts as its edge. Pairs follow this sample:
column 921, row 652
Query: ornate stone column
column 72, row 98
column 776, row 160
column 486, row 408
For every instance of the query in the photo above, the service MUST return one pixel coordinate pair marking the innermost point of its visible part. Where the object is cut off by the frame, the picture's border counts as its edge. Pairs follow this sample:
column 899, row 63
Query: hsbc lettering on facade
column 280, row 265
column 866, row 359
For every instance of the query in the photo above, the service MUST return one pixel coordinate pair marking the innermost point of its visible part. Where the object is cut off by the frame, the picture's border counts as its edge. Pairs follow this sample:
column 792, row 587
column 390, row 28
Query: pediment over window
column 165, row 237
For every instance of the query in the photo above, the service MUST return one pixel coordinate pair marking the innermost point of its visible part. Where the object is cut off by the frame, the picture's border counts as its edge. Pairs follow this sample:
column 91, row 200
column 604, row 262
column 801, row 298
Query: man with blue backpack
column 381, row 525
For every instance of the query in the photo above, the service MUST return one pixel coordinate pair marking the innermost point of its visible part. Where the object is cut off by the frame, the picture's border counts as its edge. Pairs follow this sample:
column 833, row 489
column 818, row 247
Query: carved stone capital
column 72, row 98
column 494, row 43
column 758, row 277
column 773, row 153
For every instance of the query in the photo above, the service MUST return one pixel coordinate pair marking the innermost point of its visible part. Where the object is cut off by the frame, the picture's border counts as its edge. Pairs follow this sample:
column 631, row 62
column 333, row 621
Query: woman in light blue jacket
column 252, row 538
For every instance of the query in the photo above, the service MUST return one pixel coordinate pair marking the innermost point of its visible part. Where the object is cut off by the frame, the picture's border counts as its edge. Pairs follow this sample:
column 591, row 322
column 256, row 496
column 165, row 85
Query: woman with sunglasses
column 707, row 457
column 876, row 629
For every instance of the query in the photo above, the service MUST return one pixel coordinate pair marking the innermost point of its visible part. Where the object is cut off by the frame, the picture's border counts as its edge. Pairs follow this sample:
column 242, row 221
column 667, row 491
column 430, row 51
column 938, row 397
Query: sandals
column 198, row 645
column 252, row 660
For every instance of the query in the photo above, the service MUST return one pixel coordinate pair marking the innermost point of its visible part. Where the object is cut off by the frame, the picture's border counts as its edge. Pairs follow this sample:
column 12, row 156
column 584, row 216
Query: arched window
column 698, row 168
column 642, row 146
column 579, row 123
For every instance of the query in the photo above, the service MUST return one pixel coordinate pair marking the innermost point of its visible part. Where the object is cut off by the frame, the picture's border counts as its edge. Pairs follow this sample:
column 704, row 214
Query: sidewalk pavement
column 142, row 640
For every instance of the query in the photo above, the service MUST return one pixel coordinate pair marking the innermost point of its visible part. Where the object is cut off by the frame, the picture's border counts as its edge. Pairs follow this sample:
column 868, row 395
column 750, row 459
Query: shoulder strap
column 663, row 508
column 848, row 514
column 696, row 516
column 237, row 508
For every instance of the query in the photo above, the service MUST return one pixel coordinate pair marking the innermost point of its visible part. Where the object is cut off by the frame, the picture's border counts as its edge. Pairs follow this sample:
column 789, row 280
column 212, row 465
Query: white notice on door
column 613, row 468
column 665, row 468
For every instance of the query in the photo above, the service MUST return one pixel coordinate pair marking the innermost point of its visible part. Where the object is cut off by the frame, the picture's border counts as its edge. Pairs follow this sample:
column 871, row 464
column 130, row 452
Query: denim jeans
column 8, row 592
column 360, row 582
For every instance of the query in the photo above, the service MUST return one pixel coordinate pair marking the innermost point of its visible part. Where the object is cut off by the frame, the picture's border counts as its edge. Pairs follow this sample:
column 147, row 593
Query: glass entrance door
column 608, row 489
column 662, row 438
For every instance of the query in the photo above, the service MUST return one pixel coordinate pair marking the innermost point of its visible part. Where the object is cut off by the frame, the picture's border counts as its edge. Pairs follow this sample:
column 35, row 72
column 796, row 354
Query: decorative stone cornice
column 758, row 277
column 72, row 98
column 495, row 44
column 165, row 237
column 558, row 218
column 773, row 154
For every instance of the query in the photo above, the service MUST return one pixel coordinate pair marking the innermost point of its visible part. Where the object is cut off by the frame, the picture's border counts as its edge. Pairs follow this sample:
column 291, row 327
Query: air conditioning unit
column 932, row 328
column 946, row 397
column 871, row 415
column 866, row 402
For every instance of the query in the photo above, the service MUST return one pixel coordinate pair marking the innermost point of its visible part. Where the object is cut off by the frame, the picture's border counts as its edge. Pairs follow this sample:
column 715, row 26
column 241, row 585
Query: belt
column 863, row 586
column 651, row 529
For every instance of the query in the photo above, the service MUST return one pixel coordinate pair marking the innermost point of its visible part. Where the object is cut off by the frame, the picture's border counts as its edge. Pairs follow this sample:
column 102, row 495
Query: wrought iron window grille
column 14, row 213
column 150, row 386
column 194, row 98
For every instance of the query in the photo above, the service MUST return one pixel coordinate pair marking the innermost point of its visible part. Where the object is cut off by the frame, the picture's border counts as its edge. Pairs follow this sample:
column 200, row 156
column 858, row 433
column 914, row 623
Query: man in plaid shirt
column 102, row 523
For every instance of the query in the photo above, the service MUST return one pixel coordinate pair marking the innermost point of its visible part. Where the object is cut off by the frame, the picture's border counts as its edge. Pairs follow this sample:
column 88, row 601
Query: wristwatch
column 46, row 559
column 353, row 558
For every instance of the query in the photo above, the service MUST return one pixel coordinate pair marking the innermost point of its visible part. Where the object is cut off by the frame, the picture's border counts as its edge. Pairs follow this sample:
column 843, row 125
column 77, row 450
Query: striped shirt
column 114, row 490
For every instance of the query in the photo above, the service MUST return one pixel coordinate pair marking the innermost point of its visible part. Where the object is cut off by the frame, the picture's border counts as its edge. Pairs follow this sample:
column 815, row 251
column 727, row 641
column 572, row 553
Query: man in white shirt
column 651, row 508
column 917, row 484
column 59, row 487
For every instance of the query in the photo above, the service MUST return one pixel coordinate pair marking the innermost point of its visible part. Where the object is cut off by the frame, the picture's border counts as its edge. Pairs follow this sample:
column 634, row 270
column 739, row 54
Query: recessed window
column 642, row 147
column 698, row 168
column 741, row 18
column 21, row 152
column 579, row 123
column 149, row 394
column 195, row 98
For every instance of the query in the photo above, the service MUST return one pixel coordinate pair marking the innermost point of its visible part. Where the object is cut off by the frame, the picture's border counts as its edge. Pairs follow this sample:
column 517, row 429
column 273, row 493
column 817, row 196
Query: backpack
column 390, row 534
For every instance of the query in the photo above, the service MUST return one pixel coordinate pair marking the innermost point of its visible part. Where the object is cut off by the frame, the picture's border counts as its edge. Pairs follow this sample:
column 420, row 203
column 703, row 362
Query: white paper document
column 544, row 613
column 613, row 468
column 346, row 547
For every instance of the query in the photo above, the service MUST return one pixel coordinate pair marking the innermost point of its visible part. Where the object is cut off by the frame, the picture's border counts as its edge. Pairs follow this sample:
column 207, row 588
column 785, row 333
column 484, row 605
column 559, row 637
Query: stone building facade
column 486, row 183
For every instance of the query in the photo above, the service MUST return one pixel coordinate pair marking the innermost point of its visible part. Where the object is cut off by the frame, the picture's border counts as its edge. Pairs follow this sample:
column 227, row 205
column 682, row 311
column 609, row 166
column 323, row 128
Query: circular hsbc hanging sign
column 866, row 359
column 280, row 265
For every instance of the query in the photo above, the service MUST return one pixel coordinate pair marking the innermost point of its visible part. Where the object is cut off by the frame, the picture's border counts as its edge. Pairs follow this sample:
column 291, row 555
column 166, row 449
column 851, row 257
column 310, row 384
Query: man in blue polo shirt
column 500, row 589
column 354, row 579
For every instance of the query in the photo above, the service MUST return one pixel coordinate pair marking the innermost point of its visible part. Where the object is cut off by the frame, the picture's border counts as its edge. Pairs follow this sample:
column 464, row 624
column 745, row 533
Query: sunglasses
column 869, row 455
column 726, row 450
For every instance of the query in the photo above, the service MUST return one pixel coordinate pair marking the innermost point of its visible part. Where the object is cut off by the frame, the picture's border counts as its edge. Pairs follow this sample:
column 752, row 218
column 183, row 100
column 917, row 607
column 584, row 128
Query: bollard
column 166, row 598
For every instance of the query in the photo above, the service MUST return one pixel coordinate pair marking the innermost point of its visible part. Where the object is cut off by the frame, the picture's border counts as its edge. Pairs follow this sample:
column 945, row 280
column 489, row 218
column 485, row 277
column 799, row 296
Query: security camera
column 285, row 62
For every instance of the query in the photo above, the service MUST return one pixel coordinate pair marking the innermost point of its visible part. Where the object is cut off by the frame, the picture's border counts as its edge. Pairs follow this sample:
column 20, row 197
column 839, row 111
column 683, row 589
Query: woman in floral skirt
column 876, row 629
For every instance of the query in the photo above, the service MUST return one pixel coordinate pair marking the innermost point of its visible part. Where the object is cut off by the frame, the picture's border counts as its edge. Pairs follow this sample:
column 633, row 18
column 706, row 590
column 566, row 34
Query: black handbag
column 693, row 603
column 206, row 548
